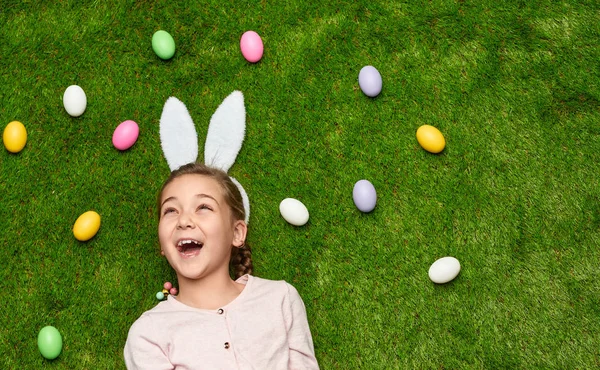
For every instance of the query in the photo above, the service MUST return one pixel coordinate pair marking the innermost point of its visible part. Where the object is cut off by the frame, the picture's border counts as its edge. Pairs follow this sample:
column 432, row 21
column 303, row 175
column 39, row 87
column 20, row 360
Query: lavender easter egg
column 364, row 196
column 251, row 46
column 370, row 81
column 125, row 135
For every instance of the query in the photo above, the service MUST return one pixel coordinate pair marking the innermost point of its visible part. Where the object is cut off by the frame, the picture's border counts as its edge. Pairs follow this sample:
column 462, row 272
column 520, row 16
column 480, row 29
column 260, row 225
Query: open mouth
column 189, row 247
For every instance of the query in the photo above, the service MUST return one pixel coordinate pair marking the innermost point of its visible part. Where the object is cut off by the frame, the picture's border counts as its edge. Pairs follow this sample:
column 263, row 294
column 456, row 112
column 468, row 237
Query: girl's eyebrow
column 207, row 196
column 197, row 196
column 167, row 200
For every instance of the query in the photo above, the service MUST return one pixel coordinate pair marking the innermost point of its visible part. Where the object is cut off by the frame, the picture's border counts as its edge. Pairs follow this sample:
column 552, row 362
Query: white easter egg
column 293, row 211
column 444, row 270
column 74, row 100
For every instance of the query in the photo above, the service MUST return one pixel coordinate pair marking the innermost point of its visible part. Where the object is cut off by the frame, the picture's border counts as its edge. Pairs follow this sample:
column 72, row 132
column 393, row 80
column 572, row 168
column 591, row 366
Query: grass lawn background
column 514, row 87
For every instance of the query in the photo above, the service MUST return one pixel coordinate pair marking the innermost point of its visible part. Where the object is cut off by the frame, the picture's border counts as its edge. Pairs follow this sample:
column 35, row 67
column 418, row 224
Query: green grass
column 514, row 87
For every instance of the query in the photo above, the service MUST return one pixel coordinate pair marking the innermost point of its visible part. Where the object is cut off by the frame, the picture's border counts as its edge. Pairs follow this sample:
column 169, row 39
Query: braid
column 241, row 261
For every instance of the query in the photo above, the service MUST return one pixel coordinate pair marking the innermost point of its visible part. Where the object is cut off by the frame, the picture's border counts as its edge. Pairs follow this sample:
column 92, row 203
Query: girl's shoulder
column 147, row 317
column 256, row 283
column 144, row 324
column 266, row 288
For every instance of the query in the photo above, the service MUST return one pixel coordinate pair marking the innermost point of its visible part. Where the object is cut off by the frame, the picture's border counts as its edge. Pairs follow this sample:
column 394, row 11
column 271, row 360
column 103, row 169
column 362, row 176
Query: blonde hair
column 241, row 258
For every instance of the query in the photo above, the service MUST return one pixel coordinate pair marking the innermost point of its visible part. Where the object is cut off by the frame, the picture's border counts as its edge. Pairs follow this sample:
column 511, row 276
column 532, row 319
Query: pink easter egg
column 252, row 46
column 125, row 135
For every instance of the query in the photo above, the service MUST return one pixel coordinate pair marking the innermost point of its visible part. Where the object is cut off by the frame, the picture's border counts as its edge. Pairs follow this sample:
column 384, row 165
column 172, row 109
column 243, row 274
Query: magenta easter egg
column 125, row 135
column 251, row 46
column 364, row 195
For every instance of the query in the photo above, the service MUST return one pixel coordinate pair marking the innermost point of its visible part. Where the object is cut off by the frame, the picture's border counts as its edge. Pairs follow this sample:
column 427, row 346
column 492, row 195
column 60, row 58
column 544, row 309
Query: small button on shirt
column 265, row 327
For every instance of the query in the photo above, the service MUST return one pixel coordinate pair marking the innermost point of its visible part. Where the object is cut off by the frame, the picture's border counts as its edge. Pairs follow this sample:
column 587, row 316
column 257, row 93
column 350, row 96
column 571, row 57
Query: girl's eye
column 168, row 210
column 204, row 206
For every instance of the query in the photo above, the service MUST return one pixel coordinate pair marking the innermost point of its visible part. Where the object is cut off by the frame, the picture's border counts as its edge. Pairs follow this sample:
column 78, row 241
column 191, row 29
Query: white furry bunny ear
column 225, row 137
column 226, row 132
column 178, row 136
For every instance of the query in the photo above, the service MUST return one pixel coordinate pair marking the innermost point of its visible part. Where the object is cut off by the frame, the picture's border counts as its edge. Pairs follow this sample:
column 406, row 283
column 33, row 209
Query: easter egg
column 369, row 81
column 14, row 137
column 364, row 196
column 86, row 226
column 444, row 270
column 74, row 100
column 252, row 46
column 163, row 44
column 293, row 211
column 125, row 135
column 50, row 342
column 431, row 139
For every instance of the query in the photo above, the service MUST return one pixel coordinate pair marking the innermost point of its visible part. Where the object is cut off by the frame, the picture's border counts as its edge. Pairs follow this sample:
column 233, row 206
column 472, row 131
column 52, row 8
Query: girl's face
column 196, row 230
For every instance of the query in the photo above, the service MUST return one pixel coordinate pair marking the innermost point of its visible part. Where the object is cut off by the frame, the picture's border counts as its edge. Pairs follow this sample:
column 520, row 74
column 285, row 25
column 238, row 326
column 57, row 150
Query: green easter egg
column 50, row 342
column 163, row 44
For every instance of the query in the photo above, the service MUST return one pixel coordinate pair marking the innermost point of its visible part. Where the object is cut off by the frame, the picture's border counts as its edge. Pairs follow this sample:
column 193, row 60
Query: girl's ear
column 240, row 229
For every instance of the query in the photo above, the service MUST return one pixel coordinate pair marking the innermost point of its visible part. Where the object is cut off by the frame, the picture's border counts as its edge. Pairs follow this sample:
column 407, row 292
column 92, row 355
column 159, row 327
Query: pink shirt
column 265, row 327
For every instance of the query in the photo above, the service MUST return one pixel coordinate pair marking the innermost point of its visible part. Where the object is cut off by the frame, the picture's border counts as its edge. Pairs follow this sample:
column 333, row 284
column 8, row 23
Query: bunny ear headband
column 224, row 139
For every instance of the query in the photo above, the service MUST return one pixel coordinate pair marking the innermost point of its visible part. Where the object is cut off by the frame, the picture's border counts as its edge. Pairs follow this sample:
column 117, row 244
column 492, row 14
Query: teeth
column 188, row 241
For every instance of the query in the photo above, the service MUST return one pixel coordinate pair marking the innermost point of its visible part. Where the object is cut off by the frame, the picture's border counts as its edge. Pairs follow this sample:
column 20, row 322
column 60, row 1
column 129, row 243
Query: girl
column 216, row 322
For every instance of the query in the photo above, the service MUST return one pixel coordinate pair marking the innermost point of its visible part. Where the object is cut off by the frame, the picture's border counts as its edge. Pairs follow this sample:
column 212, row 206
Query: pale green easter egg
column 163, row 44
column 50, row 342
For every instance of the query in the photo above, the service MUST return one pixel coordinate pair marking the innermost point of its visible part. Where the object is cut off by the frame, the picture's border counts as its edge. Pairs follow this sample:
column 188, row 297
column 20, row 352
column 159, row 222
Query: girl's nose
column 185, row 222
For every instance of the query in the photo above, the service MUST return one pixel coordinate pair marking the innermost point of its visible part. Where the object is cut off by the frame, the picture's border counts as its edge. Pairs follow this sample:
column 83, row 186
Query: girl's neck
column 210, row 293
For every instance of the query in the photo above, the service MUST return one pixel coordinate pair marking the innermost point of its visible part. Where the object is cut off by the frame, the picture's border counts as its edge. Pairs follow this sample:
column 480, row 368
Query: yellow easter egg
column 14, row 137
column 431, row 139
column 86, row 226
